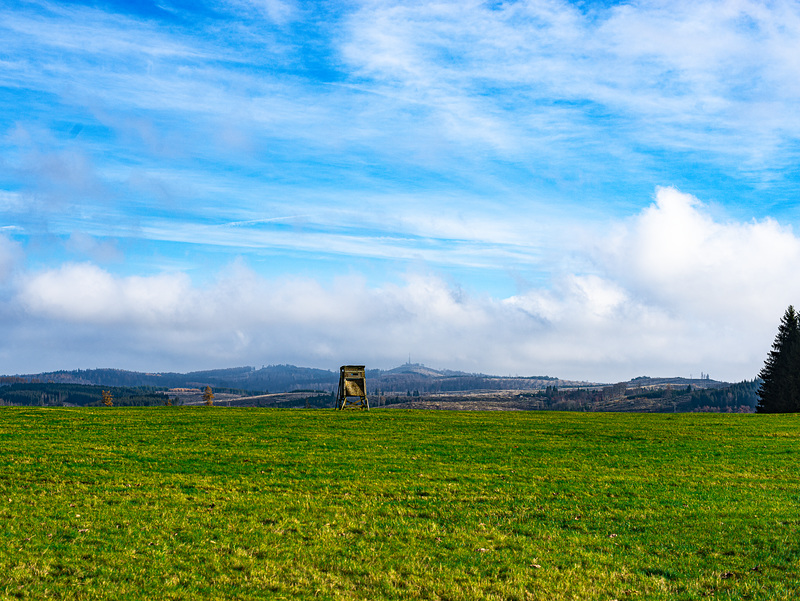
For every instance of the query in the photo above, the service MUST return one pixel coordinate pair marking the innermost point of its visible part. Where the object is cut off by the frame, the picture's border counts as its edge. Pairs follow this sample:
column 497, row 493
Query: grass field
column 182, row 503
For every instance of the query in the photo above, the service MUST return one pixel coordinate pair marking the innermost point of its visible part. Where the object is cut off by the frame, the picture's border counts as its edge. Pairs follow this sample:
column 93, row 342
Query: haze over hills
column 409, row 377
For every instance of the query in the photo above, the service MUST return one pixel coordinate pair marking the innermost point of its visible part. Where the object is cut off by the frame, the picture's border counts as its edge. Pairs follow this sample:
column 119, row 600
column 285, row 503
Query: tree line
column 740, row 397
column 81, row 395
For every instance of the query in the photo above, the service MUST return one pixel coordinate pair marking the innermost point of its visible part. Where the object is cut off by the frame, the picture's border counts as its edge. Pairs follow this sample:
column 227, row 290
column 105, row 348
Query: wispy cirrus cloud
column 692, row 76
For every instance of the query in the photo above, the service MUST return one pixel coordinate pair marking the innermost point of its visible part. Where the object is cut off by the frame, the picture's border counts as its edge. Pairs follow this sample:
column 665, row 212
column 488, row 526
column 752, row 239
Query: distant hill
column 273, row 378
column 411, row 377
column 410, row 385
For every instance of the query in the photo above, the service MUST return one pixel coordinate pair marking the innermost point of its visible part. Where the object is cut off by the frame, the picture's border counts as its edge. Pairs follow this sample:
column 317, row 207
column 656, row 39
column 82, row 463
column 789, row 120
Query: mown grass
column 177, row 503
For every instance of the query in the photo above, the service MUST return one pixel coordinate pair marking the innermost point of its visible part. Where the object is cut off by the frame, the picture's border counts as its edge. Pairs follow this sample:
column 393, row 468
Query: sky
column 587, row 190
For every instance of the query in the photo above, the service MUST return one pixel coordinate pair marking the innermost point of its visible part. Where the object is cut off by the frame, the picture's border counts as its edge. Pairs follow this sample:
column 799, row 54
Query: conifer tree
column 208, row 396
column 780, row 386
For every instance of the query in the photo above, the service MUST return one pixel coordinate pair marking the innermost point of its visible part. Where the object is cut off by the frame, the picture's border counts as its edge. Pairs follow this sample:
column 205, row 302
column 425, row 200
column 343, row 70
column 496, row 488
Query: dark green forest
column 80, row 395
column 735, row 398
column 780, row 387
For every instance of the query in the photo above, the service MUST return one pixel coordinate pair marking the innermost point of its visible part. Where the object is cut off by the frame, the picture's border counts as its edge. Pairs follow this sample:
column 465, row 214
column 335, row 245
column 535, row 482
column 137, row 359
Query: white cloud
column 131, row 37
column 674, row 292
column 11, row 202
column 278, row 11
column 10, row 257
column 674, row 288
column 95, row 249
column 676, row 255
column 720, row 76
column 84, row 293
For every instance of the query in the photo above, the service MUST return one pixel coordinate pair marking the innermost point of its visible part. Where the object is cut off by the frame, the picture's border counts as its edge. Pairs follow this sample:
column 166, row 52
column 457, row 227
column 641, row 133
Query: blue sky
column 588, row 190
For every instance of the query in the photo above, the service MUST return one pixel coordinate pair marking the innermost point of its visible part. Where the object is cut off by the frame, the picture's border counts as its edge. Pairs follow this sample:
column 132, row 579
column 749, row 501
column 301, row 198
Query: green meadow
column 188, row 503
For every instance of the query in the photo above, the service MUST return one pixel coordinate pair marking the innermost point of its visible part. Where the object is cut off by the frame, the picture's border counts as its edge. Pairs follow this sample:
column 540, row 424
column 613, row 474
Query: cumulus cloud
column 676, row 255
column 674, row 287
column 83, row 293
column 674, row 291
column 245, row 318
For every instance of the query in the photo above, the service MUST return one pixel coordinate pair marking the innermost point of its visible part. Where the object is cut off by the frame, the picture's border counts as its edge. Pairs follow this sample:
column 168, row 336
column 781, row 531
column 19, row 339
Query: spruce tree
column 780, row 386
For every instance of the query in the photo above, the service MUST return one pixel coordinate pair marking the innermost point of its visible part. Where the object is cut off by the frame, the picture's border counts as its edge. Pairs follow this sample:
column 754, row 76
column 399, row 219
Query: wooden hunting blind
column 352, row 387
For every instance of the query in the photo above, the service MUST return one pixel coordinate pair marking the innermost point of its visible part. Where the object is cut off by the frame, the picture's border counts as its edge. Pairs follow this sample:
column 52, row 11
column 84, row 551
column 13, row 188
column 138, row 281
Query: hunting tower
column 352, row 385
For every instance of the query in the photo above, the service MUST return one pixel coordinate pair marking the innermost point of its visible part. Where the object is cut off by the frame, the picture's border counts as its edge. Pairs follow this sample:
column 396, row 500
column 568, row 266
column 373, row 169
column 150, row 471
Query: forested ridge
column 82, row 395
column 736, row 398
